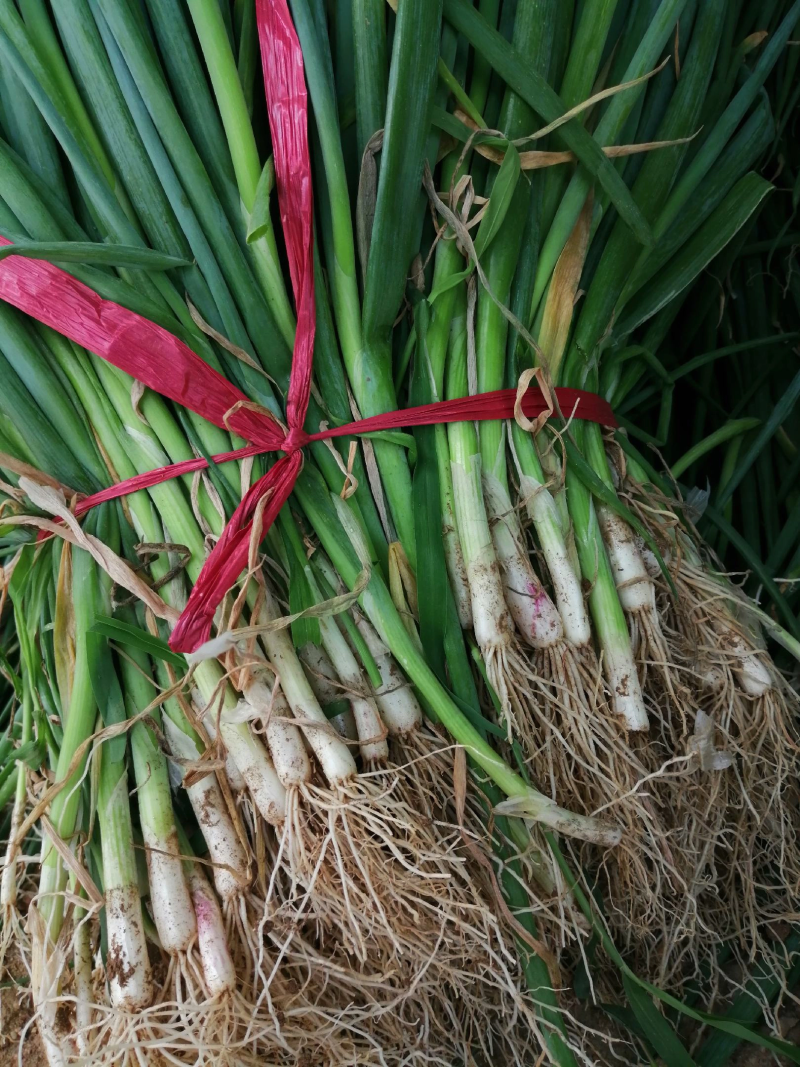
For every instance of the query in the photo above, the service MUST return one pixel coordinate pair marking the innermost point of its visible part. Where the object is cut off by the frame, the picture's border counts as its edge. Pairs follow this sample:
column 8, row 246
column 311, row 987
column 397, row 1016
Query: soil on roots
column 577, row 753
column 719, row 775
column 422, row 959
column 411, row 1013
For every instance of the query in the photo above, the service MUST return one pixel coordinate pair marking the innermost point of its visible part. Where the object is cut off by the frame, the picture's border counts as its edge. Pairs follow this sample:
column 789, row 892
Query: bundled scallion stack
column 480, row 701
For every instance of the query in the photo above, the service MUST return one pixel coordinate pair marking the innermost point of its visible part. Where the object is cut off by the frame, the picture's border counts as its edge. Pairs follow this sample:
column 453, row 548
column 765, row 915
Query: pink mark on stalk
column 538, row 595
column 204, row 909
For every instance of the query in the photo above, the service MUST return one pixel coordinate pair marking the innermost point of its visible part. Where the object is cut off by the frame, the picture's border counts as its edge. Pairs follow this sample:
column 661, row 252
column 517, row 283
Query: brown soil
column 15, row 1012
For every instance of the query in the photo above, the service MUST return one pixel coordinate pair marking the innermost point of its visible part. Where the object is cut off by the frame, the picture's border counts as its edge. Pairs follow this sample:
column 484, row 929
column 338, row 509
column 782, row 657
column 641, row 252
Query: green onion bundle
column 465, row 664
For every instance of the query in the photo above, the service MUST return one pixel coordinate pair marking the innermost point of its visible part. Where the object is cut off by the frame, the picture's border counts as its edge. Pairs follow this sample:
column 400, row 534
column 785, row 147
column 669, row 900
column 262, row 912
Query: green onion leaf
column 106, row 255
column 260, row 221
column 125, row 634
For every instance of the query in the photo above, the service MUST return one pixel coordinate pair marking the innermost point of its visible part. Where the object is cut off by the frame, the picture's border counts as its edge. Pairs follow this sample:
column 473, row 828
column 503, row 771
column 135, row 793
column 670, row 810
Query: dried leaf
column 119, row 571
column 137, row 392
column 560, row 303
column 522, row 387
column 64, row 629
column 229, row 346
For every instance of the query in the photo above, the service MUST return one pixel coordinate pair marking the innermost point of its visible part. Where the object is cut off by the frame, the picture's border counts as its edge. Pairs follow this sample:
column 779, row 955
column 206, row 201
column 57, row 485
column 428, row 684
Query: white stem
column 8, row 882
column 321, row 675
column 322, row 678
column 345, row 726
column 535, row 805
column 649, row 557
column 750, row 669
column 711, row 678
column 634, row 584
column 82, row 973
column 249, row 754
column 534, row 613
column 224, row 847
column 541, row 508
column 127, row 965
column 254, row 763
column 491, row 619
column 623, row 680
column 454, row 557
column 614, row 639
column 218, row 967
column 284, row 739
column 456, row 570
column 234, row 775
column 399, row 707
column 336, row 761
column 551, row 465
column 169, row 894
column 371, row 732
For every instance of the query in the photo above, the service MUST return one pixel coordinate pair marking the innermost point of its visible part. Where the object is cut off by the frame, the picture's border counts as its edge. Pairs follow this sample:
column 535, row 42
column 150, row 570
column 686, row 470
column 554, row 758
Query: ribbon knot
column 294, row 440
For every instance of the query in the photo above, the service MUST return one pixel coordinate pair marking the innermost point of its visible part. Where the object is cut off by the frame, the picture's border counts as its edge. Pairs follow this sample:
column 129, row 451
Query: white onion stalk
column 127, row 964
column 246, row 751
column 285, row 741
column 623, row 680
column 635, row 586
column 492, row 621
column 334, row 757
column 534, row 613
column 399, row 708
column 12, row 926
column 82, row 979
column 566, row 582
column 312, row 812
column 48, row 966
column 169, row 894
column 454, row 557
column 637, row 594
column 552, row 468
column 232, row 773
column 219, row 971
column 749, row 667
column 250, row 757
column 398, row 705
column 618, row 659
column 225, row 850
column 649, row 557
column 321, row 674
column 371, row 731
column 327, row 690
column 750, row 670
column 610, row 621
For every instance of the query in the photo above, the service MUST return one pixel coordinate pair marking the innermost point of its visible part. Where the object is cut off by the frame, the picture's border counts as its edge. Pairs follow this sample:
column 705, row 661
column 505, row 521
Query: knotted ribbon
column 166, row 365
